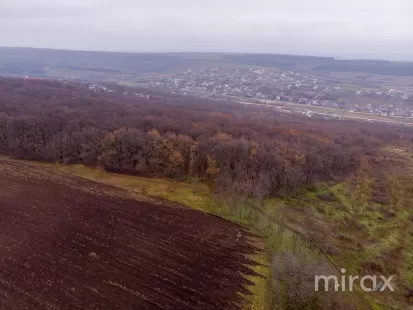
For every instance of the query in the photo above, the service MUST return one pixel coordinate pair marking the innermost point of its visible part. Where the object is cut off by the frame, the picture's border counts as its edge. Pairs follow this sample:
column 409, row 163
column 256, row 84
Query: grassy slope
column 361, row 234
column 365, row 221
column 198, row 196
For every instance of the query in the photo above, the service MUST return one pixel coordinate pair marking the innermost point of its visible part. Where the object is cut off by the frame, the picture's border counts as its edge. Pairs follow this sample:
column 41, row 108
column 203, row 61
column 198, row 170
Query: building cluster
column 388, row 94
column 279, row 85
column 246, row 83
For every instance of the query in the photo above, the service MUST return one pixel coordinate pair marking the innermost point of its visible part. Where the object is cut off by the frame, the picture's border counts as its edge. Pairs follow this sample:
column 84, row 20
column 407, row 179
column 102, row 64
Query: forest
column 252, row 151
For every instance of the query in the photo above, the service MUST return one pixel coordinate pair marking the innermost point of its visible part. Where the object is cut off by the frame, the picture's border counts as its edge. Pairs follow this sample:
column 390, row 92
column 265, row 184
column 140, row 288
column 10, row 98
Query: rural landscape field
column 70, row 243
column 206, row 155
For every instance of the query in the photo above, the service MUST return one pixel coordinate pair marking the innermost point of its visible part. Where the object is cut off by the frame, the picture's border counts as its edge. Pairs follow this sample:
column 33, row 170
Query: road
column 343, row 114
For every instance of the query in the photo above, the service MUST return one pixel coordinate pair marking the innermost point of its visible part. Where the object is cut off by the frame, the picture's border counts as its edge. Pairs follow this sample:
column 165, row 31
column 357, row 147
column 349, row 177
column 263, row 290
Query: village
column 264, row 84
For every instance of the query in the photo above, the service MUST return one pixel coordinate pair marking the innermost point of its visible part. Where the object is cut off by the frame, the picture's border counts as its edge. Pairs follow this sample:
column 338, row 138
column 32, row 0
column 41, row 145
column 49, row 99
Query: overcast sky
column 343, row 28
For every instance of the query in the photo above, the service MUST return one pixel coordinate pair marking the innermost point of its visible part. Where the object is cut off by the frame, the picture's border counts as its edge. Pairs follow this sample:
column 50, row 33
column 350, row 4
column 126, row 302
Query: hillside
column 248, row 150
column 323, row 194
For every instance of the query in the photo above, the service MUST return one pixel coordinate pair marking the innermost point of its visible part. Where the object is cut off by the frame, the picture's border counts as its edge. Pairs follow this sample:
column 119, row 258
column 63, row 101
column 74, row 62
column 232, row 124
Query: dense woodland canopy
column 248, row 150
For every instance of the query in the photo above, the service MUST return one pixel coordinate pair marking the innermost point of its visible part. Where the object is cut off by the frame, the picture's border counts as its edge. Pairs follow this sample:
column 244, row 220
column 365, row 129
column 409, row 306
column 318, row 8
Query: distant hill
column 47, row 62
column 115, row 66
column 325, row 64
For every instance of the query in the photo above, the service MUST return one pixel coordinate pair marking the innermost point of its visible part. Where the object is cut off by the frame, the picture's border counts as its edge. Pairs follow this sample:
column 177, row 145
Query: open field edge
column 195, row 196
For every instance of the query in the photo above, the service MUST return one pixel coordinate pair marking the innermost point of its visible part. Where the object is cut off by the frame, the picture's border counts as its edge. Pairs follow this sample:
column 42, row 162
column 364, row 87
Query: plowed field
column 69, row 243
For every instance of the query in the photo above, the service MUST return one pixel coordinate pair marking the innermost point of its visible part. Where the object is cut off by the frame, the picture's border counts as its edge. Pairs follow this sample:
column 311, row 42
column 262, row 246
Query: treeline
column 249, row 150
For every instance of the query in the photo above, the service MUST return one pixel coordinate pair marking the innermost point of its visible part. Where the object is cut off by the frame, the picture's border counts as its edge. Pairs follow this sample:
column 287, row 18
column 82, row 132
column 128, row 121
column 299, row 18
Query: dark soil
column 69, row 243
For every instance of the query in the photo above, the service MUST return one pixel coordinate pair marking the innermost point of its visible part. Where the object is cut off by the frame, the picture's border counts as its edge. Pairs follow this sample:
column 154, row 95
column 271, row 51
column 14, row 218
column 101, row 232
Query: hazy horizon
column 200, row 52
column 372, row 29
